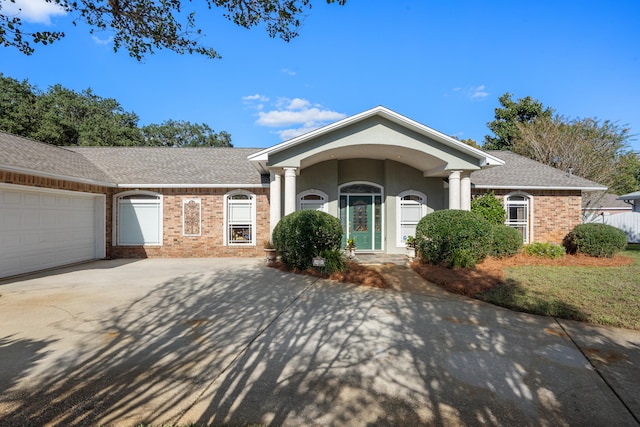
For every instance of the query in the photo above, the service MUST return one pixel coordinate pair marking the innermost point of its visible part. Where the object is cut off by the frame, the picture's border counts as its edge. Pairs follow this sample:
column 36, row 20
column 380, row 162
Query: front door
column 361, row 221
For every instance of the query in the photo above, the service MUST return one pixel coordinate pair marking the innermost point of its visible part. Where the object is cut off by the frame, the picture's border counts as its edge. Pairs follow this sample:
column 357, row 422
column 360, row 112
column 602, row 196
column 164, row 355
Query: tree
column 525, row 110
column 174, row 133
column 143, row 26
column 17, row 102
column 585, row 147
column 67, row 117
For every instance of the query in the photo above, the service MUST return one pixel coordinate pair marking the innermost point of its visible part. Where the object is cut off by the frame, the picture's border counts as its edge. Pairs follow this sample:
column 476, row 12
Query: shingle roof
column 599, row 201
column 522, row 172
column 23, row 154
column 175, row 166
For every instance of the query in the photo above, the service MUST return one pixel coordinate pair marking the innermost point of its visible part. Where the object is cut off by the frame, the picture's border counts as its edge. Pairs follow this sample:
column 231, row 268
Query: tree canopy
column 524, row 110
column 144, row 26
column 62, row 116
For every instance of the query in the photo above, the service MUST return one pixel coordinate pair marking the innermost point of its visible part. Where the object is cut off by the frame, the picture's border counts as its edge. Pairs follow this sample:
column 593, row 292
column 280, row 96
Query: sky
column 441, row 63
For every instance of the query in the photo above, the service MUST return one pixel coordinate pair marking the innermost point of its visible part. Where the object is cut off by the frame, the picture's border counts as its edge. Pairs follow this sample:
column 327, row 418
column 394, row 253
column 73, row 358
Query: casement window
column 138, row 219
column 518, row 207
column 240, row 218
column 314, row 200
column 412, row 206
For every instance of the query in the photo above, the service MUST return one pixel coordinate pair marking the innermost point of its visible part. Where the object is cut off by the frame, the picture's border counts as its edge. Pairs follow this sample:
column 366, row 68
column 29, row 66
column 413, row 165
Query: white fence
column 629, row 222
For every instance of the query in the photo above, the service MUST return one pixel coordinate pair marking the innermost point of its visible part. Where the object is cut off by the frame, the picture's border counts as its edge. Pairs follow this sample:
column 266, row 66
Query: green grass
column 602, row 295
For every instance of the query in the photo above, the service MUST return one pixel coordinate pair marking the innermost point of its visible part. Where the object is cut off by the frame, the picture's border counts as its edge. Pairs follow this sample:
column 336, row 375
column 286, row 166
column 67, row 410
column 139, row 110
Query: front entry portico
column 370, row 170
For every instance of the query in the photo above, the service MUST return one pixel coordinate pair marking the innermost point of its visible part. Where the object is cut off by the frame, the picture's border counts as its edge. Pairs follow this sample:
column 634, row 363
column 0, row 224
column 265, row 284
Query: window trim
column 227, row 197
column 115, row 241
column 529, row 226
column 313, row 192
column 400, row 242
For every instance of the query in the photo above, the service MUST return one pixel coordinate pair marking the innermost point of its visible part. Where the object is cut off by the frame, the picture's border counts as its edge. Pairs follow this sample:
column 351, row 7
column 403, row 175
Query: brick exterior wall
column 554, row 212
column 210, row 243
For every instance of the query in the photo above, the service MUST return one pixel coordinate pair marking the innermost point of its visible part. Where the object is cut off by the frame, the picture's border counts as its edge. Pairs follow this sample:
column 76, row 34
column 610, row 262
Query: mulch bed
column 356, row 274
column 490, row 273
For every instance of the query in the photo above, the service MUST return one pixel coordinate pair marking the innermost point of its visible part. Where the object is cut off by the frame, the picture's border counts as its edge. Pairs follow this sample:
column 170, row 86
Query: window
column 314, row 200
column 412, row 206
column 518, row 207
column 240, row 218
column 139, row 219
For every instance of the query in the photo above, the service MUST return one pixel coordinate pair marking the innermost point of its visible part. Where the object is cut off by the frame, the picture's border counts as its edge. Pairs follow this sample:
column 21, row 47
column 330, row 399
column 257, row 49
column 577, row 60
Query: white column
column 289, row 190
column 454, row 190
column 275, row 192
column 465, row 191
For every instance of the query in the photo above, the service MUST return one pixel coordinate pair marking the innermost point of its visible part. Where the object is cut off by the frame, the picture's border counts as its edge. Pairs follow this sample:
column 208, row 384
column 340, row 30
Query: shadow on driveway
column 239, row 343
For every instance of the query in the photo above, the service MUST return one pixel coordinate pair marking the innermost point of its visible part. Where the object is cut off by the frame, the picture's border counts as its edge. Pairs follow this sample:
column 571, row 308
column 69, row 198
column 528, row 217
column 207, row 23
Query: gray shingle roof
column 522, row 172
column 18, row 153
column 174, row 166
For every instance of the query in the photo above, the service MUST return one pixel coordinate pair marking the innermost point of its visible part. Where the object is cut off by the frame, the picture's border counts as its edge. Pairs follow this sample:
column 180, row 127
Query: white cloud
column 35, row 11
column 479, row 92
column 102, row 42
column 473, row 92
column 288, row 71
column 297, row 115
column 256, row 97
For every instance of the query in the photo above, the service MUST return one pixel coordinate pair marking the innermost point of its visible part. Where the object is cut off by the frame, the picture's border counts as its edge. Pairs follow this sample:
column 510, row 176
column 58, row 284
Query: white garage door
column 41, row 229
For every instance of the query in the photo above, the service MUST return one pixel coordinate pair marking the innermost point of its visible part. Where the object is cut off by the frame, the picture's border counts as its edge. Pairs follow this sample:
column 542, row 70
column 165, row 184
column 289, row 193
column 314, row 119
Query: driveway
column 227, row 341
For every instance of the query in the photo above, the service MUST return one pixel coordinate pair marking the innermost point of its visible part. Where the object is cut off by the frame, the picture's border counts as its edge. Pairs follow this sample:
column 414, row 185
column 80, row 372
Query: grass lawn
column 602, row 291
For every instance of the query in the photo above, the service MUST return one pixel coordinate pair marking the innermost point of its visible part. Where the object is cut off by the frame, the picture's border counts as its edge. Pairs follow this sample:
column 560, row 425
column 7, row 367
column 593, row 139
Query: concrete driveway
column 222, row 341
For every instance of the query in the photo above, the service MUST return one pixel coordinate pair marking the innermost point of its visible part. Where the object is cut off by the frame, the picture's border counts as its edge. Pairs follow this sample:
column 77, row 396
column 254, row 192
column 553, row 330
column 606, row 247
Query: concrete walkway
column 222, row 341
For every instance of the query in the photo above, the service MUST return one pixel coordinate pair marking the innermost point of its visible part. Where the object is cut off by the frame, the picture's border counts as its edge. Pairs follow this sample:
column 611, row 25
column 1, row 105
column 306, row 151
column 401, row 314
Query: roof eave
column 536, row 187
column 41, row 174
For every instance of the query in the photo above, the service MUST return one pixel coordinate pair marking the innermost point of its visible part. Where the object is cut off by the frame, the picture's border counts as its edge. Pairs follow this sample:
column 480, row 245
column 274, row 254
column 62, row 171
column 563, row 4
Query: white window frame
column 323, row 196
column 127, row 198
column 228, row 201
column 528, row 224
column 401, row 240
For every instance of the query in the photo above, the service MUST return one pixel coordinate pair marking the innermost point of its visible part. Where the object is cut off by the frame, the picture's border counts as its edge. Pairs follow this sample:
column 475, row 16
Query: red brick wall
column 555, row 212
column 210, row 243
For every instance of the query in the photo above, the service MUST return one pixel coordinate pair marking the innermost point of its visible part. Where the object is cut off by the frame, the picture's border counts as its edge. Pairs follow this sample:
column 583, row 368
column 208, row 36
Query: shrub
column 598, row 240
column 454, row 238
column 546, row 250
column 333, row 261
column 505, row 241
column 300, row 236
column 489, row 208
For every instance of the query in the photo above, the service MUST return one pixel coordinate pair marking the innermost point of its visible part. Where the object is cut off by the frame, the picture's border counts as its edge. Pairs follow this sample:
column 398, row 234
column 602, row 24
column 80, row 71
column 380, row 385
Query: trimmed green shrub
column 489, row 208
column 302, row 235
column 545, row 250
column 333, row 261
column 453, row 238
column 505, row 241
column 597, row 240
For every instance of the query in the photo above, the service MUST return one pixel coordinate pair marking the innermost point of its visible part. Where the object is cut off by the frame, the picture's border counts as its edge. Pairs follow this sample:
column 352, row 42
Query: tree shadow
column 255, row 345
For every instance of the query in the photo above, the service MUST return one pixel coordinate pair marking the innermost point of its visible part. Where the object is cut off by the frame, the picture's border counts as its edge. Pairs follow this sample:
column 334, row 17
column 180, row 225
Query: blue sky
column 443, row 64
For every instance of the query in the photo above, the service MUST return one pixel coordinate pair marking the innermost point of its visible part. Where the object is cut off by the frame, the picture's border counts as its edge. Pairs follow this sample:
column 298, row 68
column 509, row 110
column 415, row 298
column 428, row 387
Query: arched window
column 313, row 200
column 412, row 206
column 240, row 218
column 518, row 207
column 138, row 219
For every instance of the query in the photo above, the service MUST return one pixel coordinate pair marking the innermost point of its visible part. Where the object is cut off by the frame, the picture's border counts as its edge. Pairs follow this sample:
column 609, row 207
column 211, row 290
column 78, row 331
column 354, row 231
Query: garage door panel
column 40, row 229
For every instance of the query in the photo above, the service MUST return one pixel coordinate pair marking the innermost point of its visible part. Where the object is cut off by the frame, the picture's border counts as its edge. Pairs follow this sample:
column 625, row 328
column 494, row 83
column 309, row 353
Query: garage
column 42, row 228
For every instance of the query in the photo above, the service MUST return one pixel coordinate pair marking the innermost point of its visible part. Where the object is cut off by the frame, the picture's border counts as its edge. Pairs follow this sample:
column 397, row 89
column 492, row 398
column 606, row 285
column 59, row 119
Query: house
column 378, row 171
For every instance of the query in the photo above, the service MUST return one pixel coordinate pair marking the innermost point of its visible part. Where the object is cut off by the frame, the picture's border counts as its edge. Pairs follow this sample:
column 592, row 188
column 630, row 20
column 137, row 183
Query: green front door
column 361, row 221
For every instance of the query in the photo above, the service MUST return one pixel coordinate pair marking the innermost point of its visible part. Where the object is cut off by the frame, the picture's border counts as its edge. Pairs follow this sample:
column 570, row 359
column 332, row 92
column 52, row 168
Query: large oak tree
column 143, row 26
